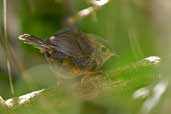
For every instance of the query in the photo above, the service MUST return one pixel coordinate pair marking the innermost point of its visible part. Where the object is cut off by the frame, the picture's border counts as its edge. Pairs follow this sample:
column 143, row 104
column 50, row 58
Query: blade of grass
column 5, row 42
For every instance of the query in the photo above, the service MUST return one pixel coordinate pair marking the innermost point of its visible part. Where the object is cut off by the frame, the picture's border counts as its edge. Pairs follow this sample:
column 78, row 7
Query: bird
column 72, row 50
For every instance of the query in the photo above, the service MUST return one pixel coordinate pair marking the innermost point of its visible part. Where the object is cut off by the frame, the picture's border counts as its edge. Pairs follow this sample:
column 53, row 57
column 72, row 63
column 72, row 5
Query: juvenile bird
column 73, row 51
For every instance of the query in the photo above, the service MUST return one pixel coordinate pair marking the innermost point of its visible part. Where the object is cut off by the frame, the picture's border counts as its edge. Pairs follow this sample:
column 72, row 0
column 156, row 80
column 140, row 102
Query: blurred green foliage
column 124, row 25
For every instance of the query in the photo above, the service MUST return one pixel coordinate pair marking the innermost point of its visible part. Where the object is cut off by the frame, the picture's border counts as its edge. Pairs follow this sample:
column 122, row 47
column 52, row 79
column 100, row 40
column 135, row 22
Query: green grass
column 126, row 29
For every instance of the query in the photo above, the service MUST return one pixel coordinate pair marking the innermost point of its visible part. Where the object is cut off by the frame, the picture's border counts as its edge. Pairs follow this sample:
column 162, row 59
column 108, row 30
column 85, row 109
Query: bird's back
column 71, row 43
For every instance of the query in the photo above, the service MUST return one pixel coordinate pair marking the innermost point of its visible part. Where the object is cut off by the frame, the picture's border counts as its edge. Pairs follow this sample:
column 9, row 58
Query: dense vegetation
column 133, row 80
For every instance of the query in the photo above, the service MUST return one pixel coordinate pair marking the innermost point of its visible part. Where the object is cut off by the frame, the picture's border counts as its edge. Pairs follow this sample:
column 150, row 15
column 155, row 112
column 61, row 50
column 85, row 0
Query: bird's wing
column 66, row 43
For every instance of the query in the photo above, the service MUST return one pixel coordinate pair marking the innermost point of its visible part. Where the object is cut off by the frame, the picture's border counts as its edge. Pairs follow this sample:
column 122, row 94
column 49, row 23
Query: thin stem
column 6, row 45
column 5, row 21
column 10, row 76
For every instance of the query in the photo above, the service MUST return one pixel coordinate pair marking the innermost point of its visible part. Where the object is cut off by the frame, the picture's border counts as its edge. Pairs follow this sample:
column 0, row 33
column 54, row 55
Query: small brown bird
column 77, row 53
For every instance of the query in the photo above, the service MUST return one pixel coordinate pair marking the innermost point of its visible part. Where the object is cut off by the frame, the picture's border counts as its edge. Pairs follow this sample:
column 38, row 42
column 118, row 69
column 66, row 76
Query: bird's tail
column 29, row 39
